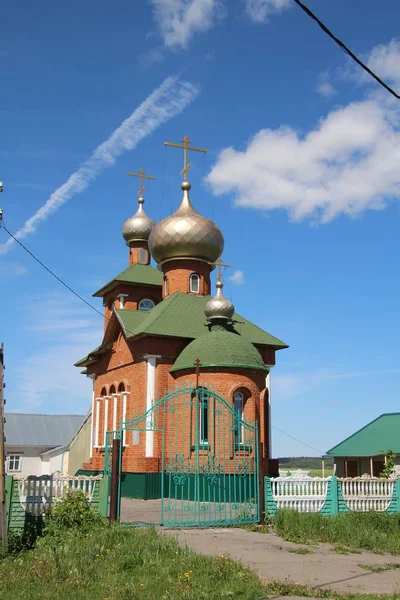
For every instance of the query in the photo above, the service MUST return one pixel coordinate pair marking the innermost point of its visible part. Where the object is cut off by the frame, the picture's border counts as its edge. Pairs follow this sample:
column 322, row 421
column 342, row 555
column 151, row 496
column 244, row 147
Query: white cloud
column 237, row 277
column 167, row 101
column 9, row 269
column 179, row 20
column 259, row 11
column 385, row 62
column 324, row 86
column 347, row 164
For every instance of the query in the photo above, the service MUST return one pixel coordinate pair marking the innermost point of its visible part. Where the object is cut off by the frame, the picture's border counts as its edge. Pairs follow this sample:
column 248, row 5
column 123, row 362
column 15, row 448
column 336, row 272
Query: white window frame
column 165, row 285
column 13, row 456
column 146, row 300
column 238, row 407
column 194, row 278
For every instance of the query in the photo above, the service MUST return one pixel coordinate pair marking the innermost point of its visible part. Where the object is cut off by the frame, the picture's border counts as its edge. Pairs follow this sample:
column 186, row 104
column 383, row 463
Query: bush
column 72, row 511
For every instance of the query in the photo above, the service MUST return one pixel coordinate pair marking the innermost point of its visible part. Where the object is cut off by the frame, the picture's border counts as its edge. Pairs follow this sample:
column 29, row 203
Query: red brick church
column 166, row 332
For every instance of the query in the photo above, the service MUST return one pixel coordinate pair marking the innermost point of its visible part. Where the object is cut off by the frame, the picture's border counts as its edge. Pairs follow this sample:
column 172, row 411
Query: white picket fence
column 308, row 494
column 35, row 493
column 362, row 495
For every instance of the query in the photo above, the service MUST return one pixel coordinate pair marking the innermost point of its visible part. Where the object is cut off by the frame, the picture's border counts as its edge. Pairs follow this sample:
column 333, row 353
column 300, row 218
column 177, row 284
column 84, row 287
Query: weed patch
column 378, row 532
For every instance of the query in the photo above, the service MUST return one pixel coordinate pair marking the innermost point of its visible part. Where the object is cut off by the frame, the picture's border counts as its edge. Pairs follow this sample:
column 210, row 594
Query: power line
column 297, row 440
column 50, row 271
column 346, row 49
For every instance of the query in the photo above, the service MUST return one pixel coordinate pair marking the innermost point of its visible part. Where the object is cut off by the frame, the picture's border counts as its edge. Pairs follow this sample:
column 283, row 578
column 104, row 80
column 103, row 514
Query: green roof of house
column 182, row 315
column 135, row 274
column 220, row 348
column 380, row 435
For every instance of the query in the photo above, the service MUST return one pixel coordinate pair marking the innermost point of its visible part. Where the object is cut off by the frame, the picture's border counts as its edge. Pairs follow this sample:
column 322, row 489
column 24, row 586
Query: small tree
column 390, row 461
column 72, row 511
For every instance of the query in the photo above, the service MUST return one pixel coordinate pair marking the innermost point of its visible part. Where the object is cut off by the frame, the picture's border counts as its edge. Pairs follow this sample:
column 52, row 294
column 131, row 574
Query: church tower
column 136, row 230
column 186, row 245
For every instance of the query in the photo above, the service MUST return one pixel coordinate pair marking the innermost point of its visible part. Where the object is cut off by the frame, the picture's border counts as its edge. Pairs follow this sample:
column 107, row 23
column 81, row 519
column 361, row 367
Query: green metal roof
column 382, row 434
column 135, row 274
column 220, row 348
column 182, row 315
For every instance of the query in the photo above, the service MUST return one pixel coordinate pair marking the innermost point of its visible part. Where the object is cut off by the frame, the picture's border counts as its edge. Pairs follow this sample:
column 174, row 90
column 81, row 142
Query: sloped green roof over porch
column 380, row 435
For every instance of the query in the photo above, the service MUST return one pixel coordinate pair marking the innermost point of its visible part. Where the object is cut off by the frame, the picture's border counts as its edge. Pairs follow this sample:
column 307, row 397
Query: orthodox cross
column 186, row 148
column 220, row 265
column 197, row 363
column 142, row 175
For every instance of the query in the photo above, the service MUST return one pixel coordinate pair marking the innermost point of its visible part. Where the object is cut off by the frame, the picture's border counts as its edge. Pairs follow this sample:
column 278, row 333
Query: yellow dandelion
column 142, row 585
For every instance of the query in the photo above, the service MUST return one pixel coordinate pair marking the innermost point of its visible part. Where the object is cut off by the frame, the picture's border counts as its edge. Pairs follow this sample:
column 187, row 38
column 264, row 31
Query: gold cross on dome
column 220, row 265
column 186, row 148
column 142, row 175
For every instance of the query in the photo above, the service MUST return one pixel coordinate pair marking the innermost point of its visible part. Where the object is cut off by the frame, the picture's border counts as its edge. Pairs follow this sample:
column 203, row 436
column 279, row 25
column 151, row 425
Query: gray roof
column 22, row 429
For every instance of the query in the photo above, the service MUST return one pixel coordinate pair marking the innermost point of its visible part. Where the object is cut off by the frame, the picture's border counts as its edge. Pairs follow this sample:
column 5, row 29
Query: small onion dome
column 138, row 227
column 219, row 307
column 186, row 234
column 220, row 348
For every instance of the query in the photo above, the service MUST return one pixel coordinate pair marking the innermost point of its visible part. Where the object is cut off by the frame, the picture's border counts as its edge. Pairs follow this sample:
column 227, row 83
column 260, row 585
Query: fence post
column 114, row 480
column 394, row 506
column 103, row 495
column 270, row 504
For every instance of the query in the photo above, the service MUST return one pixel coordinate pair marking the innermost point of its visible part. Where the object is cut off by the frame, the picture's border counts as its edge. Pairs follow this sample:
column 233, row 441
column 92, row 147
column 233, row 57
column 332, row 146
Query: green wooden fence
column 28, row 498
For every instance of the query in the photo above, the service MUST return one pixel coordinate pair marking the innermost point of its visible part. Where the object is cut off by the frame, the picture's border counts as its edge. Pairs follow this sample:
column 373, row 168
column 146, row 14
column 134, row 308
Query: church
column 179, row 376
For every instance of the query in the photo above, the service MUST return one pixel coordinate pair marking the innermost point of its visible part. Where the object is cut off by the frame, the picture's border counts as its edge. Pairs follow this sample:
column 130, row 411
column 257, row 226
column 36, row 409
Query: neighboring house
column 37, row 444
column 79, row 447
column 362, row 452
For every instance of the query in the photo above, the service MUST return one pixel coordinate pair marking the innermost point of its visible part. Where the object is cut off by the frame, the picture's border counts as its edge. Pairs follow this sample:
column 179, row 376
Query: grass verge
column 112, row 563
column 378, row 532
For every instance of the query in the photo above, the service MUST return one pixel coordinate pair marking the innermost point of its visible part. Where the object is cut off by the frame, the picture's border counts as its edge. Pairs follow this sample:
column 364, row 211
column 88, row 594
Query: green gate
column 206, row 455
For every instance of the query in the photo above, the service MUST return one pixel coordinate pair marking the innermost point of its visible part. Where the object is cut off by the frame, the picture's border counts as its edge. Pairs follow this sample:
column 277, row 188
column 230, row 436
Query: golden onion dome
column 186, row 234
column 138, row 227
column 219, row 307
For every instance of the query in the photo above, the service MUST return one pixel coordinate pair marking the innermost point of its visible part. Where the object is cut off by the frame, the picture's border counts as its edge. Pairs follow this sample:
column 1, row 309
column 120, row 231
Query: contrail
column 167, row 101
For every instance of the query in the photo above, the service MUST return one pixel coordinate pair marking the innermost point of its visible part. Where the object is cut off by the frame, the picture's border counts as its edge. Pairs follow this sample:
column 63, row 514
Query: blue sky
column 301, row 174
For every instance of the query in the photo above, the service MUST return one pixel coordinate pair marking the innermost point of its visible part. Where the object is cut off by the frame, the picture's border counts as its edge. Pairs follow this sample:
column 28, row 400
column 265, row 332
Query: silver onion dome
column 186, row 234
column 138, row 227
column 219, row 307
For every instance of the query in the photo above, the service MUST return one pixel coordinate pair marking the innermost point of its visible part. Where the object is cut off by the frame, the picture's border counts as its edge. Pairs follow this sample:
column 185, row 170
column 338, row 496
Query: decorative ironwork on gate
column 206, row 454
column 110, row 436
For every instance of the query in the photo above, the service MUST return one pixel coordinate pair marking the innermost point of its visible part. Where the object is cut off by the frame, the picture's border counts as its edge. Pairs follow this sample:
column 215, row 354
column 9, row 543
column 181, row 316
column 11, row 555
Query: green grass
column 121, row 564
column 300, row 551
column 378, row 532
column 381, row 568
column 114, row 563
column 340, row 549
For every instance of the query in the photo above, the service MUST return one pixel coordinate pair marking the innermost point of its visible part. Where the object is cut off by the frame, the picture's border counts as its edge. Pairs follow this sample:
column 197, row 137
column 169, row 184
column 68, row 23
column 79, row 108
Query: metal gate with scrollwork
column 206, row 455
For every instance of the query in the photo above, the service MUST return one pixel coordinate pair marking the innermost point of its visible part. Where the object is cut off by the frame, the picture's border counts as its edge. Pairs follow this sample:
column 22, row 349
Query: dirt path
column 273, row 559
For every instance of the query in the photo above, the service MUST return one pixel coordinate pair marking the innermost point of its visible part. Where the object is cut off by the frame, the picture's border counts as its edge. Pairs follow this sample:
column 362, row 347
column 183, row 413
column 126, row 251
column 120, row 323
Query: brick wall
column 178, row 274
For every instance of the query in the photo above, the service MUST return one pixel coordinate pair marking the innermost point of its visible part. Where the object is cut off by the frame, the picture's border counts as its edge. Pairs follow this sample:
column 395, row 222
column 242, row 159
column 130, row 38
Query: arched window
column 112, row 390
column 238, row 407
column 165, row 286
column 103, row 392
column 146, row 304
column 194, row 283
column 143, row 256
column 121, row 387
column 200, row 398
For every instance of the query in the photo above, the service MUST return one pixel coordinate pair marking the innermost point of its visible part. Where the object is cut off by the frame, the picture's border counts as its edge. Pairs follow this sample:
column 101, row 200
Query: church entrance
column 199, row 457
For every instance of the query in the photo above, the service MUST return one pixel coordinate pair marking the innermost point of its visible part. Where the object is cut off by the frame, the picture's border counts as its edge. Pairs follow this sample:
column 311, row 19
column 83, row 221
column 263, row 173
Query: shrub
column 72, row 511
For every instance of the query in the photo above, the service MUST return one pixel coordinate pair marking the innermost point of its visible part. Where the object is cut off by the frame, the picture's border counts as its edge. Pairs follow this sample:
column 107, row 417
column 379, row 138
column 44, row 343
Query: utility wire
column 69, row 288
column 50, row 271
column 346, row 49
column 297, row 440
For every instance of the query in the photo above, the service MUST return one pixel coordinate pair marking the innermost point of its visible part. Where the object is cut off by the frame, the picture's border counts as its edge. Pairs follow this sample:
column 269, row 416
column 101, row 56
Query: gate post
column 114, row 480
